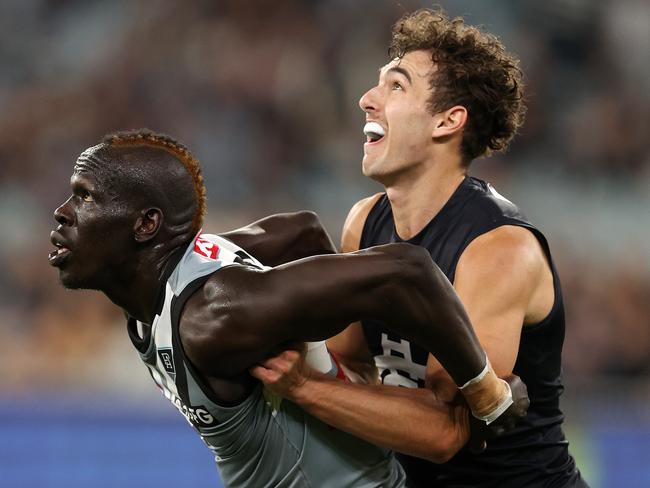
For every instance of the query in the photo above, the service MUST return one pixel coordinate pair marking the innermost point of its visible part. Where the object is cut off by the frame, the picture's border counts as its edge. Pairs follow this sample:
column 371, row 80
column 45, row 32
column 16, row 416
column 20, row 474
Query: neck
column 417, row 198
column 136, row 292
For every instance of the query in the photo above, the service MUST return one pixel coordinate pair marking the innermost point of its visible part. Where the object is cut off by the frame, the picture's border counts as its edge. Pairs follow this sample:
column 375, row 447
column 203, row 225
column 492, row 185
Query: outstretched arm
column 280, row 238
column 243, row 314
column 429, row 423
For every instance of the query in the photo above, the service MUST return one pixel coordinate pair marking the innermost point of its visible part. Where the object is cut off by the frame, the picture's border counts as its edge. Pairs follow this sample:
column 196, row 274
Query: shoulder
column 219, row 318
column 224, row 296
column 508, row 251
column 489, row 202
column 353, row 226
column 505, row 245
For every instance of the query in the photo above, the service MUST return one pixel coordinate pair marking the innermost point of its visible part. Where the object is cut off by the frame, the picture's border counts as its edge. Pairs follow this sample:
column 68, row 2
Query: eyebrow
column 81, row 184
column 402, row 71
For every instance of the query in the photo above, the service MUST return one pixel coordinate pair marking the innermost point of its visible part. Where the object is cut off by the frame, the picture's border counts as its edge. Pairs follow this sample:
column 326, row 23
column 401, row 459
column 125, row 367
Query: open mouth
column 374, row 132
column 59, row 255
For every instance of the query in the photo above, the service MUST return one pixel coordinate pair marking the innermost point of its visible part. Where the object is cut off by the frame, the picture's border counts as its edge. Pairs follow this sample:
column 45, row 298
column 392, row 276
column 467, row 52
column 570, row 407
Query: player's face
column 94, row 237
column 398, row 104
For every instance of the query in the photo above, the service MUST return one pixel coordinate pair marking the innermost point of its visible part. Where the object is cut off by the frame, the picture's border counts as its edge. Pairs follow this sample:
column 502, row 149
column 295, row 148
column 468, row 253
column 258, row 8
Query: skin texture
column 281, row 238
column 121, row 230
column 503, row 278
column 120, row 242
column 224, row 332
column 406, row 121
column 418, row 160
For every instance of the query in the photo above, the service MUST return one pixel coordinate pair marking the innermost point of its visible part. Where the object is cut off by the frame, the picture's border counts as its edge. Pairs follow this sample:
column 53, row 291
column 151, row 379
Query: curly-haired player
column 202, row 311
column 451, row 93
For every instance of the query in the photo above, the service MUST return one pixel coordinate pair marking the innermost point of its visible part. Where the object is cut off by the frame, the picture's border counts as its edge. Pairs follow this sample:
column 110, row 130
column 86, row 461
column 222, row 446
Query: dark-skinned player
column 201, row 311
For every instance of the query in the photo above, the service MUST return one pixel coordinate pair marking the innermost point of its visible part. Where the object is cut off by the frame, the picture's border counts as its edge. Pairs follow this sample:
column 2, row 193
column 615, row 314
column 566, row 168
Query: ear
column 148, row 224
column 449, row 122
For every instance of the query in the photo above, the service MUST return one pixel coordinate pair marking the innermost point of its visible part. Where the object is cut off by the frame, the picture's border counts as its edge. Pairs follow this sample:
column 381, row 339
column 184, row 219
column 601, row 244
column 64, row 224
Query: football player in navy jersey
column 449, row 94
column 131, row 229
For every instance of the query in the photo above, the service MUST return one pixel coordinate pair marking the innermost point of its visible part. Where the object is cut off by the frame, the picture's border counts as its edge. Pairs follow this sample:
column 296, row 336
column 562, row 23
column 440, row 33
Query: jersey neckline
column 455, row 196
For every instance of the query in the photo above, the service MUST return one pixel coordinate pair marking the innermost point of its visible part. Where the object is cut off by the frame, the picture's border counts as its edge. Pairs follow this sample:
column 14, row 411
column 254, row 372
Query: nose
column 62, row 214
column 368, row 101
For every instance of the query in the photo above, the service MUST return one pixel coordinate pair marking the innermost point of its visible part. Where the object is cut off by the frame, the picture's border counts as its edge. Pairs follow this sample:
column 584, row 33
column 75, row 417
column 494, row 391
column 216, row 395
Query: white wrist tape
column 479, row 376
column 498, row 410
column 503, row 404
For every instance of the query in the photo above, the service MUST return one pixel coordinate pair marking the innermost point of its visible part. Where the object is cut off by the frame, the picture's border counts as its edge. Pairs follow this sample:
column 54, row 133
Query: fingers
column 520, row 398
column 280, row 372
column 283, row 362
column 522, row 405
column 517, row 386
column 266, row 376
column 506, row 422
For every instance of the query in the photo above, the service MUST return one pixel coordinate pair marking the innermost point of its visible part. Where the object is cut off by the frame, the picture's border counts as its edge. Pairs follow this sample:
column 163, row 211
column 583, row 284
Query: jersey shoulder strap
column 207, row 254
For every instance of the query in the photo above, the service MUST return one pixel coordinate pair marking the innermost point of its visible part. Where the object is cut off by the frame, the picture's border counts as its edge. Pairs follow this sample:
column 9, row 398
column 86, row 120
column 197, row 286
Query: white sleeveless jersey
column 263, row 441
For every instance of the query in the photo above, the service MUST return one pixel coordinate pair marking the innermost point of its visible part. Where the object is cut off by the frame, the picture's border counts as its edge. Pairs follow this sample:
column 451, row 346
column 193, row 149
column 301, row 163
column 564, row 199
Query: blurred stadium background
column 265, row 92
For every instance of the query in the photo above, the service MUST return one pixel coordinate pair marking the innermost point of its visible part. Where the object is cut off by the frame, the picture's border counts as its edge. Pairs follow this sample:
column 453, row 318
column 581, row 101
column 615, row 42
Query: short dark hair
column 148, row 138
column 474, row 70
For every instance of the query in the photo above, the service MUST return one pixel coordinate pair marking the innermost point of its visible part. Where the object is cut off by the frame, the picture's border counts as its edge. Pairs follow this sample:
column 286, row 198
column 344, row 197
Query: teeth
column 61, row 250
column 374, row 130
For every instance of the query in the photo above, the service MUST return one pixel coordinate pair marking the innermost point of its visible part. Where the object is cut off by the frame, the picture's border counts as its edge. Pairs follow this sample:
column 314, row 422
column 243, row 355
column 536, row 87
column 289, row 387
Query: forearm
column 397, row 284
column 410, row 421
column 429, row 313
column 436, row 319
column 282, row 238
column 423, row 307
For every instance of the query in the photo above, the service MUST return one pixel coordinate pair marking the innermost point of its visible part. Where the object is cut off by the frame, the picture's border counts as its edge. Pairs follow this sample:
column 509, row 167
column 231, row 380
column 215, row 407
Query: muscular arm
column 505, row 282
column 281, row 238
column 420, row 422
column 242, row 314
column 411, row 421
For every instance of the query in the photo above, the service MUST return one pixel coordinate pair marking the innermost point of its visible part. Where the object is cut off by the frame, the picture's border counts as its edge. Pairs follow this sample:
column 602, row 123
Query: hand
column 480, row 432
column 284, row 374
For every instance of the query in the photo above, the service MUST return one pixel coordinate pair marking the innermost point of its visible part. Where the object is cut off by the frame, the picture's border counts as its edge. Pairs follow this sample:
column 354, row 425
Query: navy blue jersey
column 536, row 452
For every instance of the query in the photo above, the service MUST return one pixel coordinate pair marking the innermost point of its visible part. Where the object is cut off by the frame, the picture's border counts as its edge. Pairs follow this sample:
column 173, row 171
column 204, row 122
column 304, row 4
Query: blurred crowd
column 265, row 93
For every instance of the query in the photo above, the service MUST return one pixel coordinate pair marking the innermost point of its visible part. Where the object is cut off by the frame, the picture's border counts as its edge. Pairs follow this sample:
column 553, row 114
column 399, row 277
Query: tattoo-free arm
column 280, row 238
column 431, row 424
column 242, row 314
column 420, row 422
column 412, row 421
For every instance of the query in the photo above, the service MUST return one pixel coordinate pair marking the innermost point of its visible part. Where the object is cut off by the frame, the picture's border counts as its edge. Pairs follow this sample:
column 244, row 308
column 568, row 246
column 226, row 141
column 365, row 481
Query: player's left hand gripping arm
column 280, row 238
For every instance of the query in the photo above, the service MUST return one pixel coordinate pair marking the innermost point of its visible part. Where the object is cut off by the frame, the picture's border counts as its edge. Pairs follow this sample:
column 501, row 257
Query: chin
column 72, row 282
column 369, row 168
column 374, row 173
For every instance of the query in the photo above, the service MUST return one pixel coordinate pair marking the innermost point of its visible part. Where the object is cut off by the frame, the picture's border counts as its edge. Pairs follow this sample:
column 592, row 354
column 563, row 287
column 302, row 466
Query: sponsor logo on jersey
column 197, row 415
column 167, row 360
column 206, row 248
